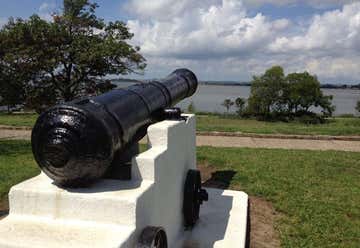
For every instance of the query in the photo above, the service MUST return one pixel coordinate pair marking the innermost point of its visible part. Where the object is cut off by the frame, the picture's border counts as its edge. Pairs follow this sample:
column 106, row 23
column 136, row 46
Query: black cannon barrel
column 75, row 143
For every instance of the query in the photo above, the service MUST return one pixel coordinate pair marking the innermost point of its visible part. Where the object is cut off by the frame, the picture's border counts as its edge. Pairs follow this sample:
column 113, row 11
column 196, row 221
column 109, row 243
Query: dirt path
column 15, row 134
column 225, row 141
column 228, row 141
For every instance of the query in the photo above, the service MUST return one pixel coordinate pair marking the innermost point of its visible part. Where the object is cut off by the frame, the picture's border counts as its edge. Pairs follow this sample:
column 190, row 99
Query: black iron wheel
column 194, row 196
column 152, row 237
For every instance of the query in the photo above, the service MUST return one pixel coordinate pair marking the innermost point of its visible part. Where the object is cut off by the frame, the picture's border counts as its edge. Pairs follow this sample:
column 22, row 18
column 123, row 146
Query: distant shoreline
column 322, row 86
column 232, row 83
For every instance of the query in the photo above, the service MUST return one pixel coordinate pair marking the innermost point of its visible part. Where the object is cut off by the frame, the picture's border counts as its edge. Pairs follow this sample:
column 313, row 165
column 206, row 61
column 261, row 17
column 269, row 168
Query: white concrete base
column 222, row 222
column 112, row 213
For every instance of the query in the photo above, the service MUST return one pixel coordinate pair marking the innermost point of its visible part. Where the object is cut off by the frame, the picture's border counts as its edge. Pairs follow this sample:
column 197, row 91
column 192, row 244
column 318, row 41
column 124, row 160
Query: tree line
column 46, row 62
column 275, row 95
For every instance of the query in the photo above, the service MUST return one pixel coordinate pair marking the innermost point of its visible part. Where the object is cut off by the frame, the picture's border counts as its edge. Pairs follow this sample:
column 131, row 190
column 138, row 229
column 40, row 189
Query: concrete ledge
column 107, row 201
column 34, row 232
column 222, row 223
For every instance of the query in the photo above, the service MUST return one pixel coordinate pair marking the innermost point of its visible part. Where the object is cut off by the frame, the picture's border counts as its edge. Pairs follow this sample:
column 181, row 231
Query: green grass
column 16, row 165
column 18, row 119
column 336, row 126
column 316, row 193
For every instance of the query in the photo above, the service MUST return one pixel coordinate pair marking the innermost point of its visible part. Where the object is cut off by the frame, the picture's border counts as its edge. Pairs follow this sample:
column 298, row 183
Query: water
column 208, row 98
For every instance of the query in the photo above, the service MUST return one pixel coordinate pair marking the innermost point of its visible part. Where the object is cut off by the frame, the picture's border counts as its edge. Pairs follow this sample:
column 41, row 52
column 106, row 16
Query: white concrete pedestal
column 112, row 213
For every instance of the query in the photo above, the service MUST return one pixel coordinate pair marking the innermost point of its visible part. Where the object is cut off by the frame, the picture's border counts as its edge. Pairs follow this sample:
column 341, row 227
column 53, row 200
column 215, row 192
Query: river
column 208, row 98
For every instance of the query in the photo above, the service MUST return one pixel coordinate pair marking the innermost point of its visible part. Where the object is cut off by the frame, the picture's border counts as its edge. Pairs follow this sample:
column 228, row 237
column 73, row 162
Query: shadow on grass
column 4, row 208
column 3, row 213
column 220, row 179
column 14, row 147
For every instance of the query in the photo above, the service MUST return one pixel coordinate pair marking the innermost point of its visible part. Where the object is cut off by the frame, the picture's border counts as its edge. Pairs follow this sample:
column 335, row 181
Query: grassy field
column 18, row 119
column 16, row 164
column 317, row 194
column 336, row 126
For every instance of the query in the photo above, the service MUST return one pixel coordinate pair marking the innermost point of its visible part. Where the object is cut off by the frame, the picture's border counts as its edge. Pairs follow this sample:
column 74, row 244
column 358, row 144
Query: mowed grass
column 18, row 119
column 16, row 165
column 316, row 193
column 336, row 126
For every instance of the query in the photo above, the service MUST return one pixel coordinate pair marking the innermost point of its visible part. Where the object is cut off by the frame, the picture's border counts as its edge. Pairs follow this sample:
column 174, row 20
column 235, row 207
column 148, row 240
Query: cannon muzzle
column 75, row 143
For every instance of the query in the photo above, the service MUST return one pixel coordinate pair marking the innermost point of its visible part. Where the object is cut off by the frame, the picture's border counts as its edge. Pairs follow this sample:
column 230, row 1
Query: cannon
column 77, row 142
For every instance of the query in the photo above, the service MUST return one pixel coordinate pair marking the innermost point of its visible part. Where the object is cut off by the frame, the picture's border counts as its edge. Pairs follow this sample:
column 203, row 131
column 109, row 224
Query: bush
column 347, row 116
column 310, row 118
column 191, row 108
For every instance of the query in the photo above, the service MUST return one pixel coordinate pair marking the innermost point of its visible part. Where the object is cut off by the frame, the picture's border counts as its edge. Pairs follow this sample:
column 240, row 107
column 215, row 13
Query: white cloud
column 206, row 31
column 342, row 68
column 165, row 9
column 339, row 29
column 219, row 40
column 46, row 10
column 313, row 3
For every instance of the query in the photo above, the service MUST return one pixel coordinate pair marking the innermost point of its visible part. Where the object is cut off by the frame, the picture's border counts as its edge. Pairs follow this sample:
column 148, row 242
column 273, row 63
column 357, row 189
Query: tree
column 304, row 91
column 273, row 93
column 227, row 103
column 325, row 102
column 70, row 54
column 11, row 94
column 358, row 106
column 267, row 92
column 240, row 104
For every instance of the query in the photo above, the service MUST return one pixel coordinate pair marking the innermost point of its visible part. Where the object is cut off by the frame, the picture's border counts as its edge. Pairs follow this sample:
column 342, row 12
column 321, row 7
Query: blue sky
column 232, row 39
column 109, row 10
column 113, row 10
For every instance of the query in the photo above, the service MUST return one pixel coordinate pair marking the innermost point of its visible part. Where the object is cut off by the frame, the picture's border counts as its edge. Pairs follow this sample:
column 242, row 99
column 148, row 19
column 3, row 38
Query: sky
column 232, row 39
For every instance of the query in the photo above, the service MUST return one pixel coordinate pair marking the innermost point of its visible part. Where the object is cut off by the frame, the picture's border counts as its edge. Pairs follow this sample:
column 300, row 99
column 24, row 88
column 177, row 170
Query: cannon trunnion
column 75, row 143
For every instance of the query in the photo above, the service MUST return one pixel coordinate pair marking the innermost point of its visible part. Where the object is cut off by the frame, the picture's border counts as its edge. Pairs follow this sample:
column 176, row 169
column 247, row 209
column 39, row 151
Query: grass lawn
column 16, row 165
column 18, row 119
column 336, row 126
column 316, row 193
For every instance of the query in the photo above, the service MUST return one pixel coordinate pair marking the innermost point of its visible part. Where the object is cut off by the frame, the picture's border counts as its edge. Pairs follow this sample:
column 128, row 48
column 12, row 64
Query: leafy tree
column 273, row 93
column 38, row 97
column 11, row 94
column 240, row 104
column 13, row 75
column 227, row 103
column 325, row 102
column 304, row 91
column 66, row 57
column 358, row 106
column 267, row 92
